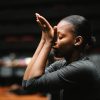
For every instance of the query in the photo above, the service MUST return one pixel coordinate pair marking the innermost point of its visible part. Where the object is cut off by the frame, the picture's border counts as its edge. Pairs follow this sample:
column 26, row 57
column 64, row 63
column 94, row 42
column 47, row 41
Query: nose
column 55, row 45
column 56, row 42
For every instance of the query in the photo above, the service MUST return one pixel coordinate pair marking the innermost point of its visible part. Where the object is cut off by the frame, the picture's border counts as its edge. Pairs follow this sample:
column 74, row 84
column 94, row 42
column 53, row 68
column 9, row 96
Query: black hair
column 82, row 28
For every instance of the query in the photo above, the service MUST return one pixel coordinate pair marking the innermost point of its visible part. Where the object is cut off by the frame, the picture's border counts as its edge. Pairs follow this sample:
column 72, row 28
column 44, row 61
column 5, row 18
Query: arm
column 35, row 56
column 37, row 64
column 65, row 77
column 26, row 74
column 54, row 81
column 75, row 74
column 55, row 66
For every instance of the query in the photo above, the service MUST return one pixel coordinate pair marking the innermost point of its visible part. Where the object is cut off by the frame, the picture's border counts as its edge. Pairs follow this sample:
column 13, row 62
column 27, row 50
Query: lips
column 57, row 53
column 55, row 50
column 55, row 46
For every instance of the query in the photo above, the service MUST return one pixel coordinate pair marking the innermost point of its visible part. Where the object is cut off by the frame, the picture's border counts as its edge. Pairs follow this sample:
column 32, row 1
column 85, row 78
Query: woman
column 77, row 78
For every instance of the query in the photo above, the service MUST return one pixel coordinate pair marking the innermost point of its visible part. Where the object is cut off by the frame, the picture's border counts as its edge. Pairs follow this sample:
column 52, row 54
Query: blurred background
column 20, row 35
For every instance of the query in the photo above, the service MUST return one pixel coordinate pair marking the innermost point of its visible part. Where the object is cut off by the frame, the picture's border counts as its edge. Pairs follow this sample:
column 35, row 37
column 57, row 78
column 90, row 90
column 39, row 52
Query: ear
column 78, row 41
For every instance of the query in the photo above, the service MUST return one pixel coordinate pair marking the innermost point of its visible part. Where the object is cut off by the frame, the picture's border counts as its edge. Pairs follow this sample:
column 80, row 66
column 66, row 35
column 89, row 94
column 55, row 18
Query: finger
column 55, row 33
column 55, row 28
column 38, row 21
column 42, row 26
column 43, row 21
column 36, row 14
column 38, row 17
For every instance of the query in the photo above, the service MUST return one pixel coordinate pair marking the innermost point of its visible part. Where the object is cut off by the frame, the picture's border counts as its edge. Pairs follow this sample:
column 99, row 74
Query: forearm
column 39, row 66
column 38, row 62
column 38, row 50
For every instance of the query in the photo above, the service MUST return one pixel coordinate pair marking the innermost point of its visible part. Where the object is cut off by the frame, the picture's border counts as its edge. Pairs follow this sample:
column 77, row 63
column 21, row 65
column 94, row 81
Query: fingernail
column 36, row 14
column 55, row 28
column 37, row 20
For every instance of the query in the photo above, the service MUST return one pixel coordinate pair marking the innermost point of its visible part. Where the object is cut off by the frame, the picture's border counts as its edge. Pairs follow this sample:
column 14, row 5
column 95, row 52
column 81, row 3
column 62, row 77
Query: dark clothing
column 79, row 80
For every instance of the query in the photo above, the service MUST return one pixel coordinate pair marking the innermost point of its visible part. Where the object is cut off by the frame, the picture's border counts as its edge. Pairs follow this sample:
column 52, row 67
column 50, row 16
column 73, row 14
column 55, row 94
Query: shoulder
column 56, row 65
column 59, row 63
column 85, row 64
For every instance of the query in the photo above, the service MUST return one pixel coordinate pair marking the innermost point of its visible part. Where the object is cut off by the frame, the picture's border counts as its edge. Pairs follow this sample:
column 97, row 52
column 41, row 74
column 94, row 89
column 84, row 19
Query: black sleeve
column 55, row 66
column 63, row 78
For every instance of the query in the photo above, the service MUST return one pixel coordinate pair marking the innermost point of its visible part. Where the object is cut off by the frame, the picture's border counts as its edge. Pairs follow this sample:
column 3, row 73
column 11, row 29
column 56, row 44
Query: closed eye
column 60, row 36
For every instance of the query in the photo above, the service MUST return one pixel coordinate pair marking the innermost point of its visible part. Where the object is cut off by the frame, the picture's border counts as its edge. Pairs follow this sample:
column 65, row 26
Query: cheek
column 65, row 43
column 64, row 47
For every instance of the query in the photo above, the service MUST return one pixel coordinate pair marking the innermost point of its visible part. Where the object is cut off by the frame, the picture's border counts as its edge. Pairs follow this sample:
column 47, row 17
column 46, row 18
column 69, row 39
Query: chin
column 58, row 54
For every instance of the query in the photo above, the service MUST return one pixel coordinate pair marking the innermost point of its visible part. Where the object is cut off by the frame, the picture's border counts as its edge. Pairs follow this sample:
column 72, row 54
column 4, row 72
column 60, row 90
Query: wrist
column 42, row 40
column 48, row 43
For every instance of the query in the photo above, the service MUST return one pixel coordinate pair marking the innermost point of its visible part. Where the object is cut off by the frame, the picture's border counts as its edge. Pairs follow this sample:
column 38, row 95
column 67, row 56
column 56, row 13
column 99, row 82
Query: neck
column 74, row 56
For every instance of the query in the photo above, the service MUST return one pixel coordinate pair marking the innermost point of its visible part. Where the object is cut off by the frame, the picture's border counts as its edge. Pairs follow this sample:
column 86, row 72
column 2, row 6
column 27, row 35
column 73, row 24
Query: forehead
column 64, row 26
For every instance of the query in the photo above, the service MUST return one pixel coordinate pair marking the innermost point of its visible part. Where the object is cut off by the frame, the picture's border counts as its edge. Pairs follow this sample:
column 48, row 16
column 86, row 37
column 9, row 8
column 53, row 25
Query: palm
column 47, row 30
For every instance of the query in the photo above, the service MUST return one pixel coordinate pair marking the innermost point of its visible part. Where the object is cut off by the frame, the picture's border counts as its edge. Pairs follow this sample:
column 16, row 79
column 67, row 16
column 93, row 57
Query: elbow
column 24, row 84
column 27, row 84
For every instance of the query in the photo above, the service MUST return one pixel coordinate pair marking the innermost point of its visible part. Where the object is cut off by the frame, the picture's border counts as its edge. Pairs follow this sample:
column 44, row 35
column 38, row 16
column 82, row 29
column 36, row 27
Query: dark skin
column 65, row 43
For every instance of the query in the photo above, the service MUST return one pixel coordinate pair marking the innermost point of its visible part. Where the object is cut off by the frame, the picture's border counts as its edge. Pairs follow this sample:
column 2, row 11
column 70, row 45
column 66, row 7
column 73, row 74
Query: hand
column 47, row 30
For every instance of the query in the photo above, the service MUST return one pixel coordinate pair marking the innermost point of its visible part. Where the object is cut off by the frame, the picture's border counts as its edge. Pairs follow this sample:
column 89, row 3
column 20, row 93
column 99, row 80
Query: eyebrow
column 61, row 33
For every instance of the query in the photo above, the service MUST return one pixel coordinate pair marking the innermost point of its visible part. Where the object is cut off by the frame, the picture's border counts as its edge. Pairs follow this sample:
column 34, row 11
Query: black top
column 78, row 80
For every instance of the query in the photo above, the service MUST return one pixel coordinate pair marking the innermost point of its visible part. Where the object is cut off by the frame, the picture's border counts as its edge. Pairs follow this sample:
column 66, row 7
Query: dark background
column 20, row 34
column 19, row 31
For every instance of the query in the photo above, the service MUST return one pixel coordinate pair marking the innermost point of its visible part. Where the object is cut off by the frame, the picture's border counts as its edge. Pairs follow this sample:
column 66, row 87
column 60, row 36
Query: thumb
column 55, row 33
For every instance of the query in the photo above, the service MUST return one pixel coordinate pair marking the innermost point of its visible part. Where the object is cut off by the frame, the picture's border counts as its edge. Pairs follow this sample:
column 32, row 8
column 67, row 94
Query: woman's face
column 65, row 39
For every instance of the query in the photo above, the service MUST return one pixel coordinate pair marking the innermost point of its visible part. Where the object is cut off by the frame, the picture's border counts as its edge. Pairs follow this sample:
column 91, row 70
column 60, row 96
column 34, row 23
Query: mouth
column 55, row 50
column 55, row 46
